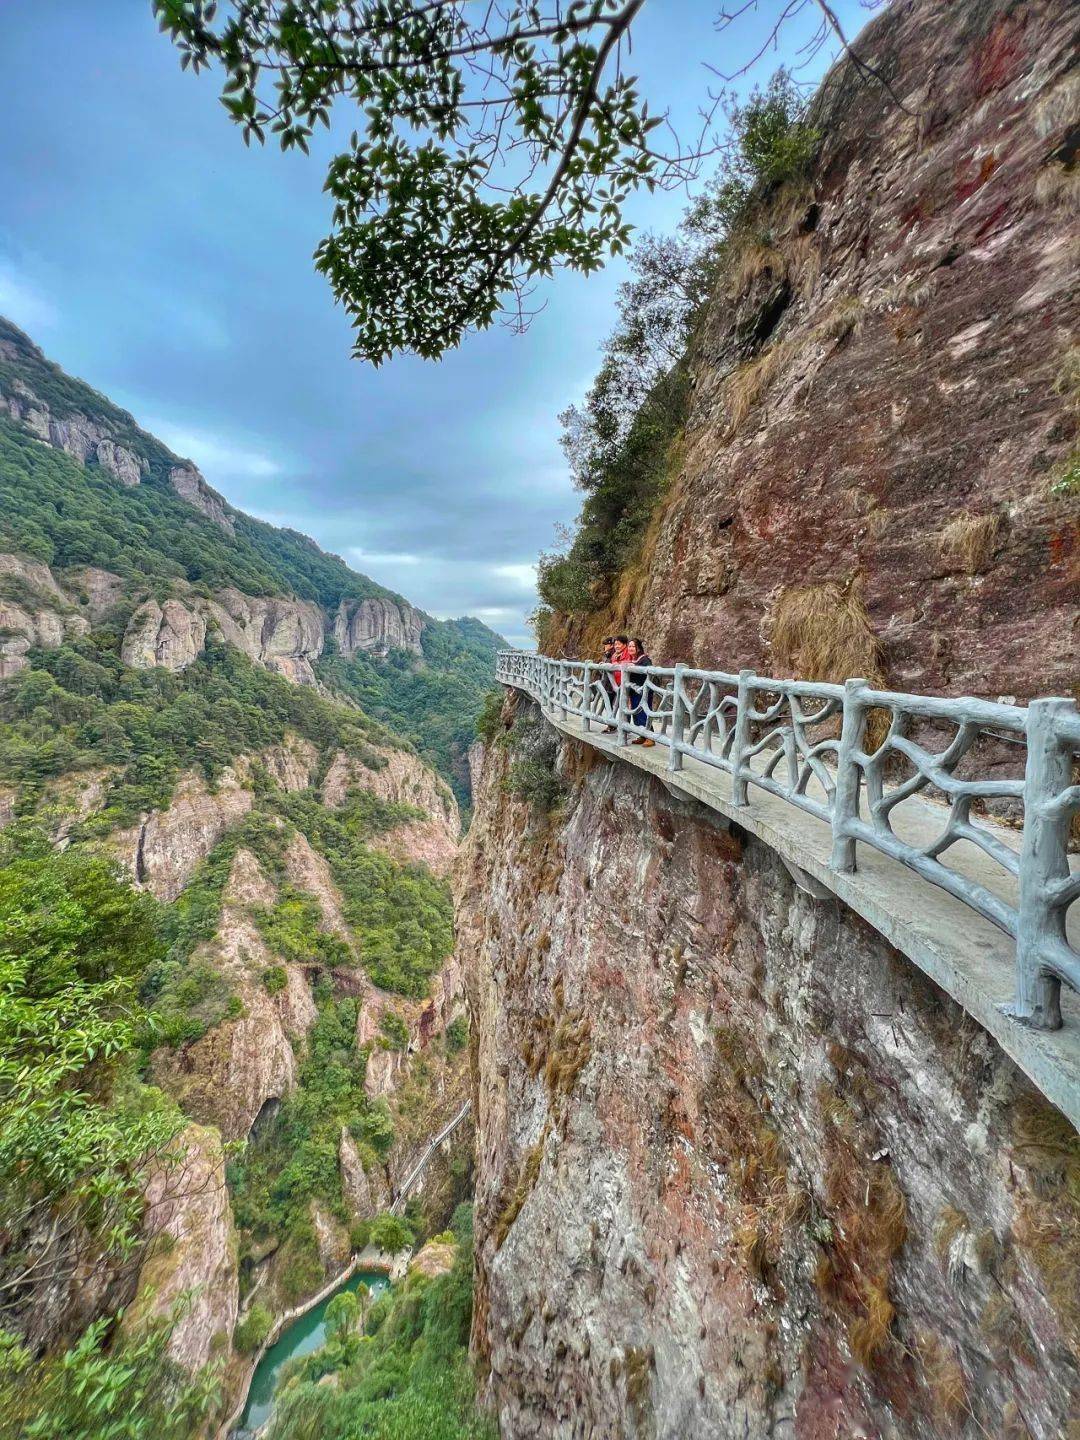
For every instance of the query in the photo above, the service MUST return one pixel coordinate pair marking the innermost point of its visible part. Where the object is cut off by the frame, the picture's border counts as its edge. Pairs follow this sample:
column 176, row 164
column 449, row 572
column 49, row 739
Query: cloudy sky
column 147, row 251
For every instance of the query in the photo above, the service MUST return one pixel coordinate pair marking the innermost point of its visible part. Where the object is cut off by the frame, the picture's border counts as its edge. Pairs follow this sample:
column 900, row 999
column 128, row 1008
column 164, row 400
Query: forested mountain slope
column 230, row 1013
column 126, row 527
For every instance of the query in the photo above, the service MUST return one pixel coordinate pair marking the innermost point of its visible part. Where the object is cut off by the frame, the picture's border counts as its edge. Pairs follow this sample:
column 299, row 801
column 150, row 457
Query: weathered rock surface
column 163, row 852
column 171, row 635
column 377, row 625
column 365, row 1194
column 32, row 573
column 308, row 871
column 743, row 1170
column 881, row 398
column 283, row 634
column 332, row 1240
column 95, row 591
column 37, row 611
column 293, row 763
column 86, row 440
column 434, row 1259
column 192, row 1250
column 402, row 779
column 239, row 1066
column 190, row 486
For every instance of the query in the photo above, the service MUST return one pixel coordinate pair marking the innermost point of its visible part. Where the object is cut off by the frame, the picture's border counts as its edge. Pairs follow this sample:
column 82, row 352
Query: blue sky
column 147, row 251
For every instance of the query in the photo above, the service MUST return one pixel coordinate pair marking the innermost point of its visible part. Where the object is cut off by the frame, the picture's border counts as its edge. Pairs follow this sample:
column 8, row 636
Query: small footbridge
column 945, row 823
column 421, row 1165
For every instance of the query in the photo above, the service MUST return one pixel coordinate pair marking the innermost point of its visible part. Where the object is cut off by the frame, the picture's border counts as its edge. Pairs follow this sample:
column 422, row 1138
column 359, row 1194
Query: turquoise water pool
column 300, row 1338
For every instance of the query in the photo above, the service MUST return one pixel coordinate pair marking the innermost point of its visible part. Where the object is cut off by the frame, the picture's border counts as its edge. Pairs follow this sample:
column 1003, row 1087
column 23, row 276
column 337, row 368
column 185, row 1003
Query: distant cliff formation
column 286, row 635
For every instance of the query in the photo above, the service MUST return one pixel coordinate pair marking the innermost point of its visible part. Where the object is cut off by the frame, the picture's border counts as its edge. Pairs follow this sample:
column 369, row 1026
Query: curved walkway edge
column 961, row 951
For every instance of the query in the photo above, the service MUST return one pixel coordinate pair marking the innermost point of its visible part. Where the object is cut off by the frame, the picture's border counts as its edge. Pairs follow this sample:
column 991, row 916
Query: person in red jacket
column 637, row 695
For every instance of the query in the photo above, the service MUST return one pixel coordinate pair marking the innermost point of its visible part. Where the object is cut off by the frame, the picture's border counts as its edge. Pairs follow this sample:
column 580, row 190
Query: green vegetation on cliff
column 79, row 707
column 79, row 1135
column 403, row 1375
column 621, row 442
column 66, row 514
column 436, row 704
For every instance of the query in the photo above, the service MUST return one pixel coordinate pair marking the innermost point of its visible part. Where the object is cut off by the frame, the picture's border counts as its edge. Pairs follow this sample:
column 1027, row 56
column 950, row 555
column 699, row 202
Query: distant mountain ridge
column 93, row 508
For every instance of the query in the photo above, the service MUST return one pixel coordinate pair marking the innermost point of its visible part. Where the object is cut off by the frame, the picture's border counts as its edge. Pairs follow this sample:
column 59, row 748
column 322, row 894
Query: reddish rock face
column 742, row 1170
column 922, row 300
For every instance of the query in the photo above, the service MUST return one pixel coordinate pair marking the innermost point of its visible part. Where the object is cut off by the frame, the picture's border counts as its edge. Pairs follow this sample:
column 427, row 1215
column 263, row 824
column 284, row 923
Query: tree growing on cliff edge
column 495, row 144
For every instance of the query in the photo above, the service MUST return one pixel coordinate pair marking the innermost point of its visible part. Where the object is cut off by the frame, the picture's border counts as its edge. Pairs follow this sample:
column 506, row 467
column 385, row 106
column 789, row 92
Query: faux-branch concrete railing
column 729, row 720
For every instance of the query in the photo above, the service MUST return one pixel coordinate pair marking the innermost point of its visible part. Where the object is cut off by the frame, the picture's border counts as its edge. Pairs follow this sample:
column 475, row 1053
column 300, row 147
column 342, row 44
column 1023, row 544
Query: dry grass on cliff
column 767, row 1202
column 1058, row 189
column 945, row 1381
column 751, row 257
column 843, row 319
column 1048, row 1226
column 868, row 1216
column 747, row 385
column 822, row 632
column 968, row 541
column 523, row 1188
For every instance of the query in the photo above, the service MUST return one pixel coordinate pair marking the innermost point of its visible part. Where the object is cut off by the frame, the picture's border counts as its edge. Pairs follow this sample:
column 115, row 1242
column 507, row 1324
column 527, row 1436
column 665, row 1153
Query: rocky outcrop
column 191, row 1251
column 886, row 370
column 284, row 635
column 21, row 629
column 170, row 636
column 376, row 626
column 241, row 1065
column 33, row 611
column 94, row 591
column 401, row 778
column 293, row 763
column 366, row 1195
column 163, row 852
column 36, row 611
column 434, row 1259
column 306, row 869
column 33, row 575
column 743, row 1169
column 190, row 486
column 87, row 440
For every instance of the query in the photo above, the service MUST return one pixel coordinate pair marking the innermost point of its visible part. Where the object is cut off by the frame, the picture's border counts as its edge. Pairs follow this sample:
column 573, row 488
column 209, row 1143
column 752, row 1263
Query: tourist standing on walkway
column 637, row 692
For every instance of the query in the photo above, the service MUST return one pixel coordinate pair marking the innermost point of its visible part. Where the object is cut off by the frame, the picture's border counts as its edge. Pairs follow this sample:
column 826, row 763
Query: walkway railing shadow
column 809, row 745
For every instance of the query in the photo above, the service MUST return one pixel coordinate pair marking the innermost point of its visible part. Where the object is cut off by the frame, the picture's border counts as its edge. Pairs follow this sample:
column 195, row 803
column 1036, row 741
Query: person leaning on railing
column 637, row 693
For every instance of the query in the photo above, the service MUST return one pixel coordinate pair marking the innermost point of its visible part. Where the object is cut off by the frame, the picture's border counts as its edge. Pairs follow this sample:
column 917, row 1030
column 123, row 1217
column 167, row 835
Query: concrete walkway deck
column 965, row 954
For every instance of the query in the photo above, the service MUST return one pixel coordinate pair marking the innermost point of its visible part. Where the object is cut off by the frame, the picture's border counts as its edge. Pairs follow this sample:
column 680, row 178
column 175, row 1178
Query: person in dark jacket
column 607, row 684
column 637, row 694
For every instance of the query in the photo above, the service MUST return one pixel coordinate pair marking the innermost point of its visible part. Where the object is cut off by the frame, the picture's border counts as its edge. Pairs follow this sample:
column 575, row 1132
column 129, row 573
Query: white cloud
column 23, row 303
column 368, row 557
column 522, row 575
column 215, row 455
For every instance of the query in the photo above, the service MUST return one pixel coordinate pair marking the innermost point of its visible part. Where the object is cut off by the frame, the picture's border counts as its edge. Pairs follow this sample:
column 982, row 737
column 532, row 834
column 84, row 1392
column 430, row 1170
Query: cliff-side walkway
column 785, row 760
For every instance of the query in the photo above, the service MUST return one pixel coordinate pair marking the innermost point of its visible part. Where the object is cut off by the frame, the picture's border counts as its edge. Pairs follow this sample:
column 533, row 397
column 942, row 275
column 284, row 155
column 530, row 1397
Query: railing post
column 739, row 785
column 848, row 777
column 620, row 709
column 678, row 721
column 1044, row 864
column 586, row 698
column 561, row 693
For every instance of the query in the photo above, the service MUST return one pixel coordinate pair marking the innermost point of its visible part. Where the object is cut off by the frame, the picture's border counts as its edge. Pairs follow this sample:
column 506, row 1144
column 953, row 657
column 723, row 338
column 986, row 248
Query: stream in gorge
column 304, row 1335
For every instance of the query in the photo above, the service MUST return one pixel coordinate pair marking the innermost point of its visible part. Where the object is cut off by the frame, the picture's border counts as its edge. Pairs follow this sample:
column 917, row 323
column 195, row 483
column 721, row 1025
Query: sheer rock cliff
column 742, row 1169
column 884, row 385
